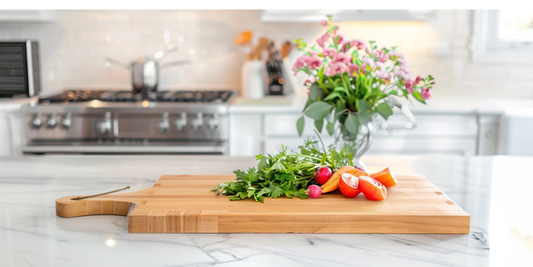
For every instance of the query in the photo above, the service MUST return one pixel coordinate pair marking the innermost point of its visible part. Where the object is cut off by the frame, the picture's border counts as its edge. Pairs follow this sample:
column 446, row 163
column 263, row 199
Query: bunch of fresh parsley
column 286, row 173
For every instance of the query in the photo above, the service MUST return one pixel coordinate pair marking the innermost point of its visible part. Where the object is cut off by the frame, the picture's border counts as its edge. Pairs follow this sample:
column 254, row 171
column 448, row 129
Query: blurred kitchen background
column 482, row 61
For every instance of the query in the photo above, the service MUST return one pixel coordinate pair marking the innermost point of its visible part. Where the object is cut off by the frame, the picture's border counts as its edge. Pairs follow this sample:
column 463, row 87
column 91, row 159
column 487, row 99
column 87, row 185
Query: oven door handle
column 115, row 125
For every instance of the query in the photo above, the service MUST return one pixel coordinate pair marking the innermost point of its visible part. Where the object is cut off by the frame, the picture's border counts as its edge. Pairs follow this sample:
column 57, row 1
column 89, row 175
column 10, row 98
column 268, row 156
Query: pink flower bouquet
column 351, row 81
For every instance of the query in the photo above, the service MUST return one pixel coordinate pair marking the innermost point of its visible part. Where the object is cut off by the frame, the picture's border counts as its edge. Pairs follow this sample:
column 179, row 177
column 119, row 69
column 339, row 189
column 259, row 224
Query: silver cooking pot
column 145, row 72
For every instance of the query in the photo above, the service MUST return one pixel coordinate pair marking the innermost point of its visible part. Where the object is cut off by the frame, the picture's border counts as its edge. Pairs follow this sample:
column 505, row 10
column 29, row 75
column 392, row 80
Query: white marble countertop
column 440, row 104
column 443, row 104
column 495, row 191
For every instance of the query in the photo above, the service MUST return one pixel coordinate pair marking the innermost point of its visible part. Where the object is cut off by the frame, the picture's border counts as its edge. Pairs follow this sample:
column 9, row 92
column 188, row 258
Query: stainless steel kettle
column 145, row 72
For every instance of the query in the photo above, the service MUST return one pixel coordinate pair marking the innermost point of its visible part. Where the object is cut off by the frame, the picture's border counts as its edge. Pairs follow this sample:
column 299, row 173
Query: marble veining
column 32, row 235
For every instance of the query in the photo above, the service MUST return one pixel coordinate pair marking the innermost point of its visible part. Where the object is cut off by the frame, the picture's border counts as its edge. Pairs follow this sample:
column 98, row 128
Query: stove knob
column 105, row 126
column 163, row 125
column 181, row 123
column 51, row 121
column 214, row 122
column 37, row 120
column 67, row 120
column 198, row 122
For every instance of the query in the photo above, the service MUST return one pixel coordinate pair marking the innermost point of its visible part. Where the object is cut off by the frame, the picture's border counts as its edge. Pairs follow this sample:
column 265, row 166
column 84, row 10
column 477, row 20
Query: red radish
column 314, row 191
column 359, row 168
column 323, row 174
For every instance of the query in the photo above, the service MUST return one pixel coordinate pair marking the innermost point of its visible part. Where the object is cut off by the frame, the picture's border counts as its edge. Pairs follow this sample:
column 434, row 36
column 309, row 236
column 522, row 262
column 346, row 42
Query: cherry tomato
column 348, row 185
column 385, row 177
column 372, row 188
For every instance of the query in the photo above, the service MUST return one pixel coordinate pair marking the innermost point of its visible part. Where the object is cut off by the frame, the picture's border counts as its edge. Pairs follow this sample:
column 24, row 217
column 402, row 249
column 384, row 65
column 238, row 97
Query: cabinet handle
column 406, row 126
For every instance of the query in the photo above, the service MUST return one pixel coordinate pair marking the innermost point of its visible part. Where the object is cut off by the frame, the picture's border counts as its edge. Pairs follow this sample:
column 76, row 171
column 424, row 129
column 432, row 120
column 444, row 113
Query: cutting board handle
column 67, row 208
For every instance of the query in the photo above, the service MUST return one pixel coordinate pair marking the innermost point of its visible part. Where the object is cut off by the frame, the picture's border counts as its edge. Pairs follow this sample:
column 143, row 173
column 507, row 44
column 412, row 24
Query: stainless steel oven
column 104, row 122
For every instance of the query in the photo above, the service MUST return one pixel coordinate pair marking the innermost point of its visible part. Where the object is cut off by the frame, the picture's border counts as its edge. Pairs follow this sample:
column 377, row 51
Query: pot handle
column 109, row 61
column 175, row 63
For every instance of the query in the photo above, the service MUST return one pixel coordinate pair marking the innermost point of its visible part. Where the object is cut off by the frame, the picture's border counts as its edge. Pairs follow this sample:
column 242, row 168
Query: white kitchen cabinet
column 431, row 134
column 11, row 136
column 306, row 16
column 246, row 134
column 488, row 134
column 27, row 16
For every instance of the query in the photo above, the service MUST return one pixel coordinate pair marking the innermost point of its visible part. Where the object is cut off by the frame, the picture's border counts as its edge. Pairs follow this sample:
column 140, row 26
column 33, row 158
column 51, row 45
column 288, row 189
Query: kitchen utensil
column 276, row 77
column 145, row 71
column 252, row 79
column 185, row 204
column 285, row 49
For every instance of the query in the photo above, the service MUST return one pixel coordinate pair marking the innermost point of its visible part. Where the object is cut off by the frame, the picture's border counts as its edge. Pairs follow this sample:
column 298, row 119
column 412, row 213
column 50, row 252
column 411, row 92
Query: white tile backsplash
column 73, row 48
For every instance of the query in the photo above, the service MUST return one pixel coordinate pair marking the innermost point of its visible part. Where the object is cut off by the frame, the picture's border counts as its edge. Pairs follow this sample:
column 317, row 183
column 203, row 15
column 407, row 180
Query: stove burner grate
column 128, row 96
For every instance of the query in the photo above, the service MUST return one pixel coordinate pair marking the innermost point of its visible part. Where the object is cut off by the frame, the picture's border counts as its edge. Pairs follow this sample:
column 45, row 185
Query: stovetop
column 73, row 96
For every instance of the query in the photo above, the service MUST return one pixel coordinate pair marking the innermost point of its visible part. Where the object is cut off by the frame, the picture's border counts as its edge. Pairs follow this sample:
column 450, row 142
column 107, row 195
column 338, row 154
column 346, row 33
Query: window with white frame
column 510, row 29
column 502, row 31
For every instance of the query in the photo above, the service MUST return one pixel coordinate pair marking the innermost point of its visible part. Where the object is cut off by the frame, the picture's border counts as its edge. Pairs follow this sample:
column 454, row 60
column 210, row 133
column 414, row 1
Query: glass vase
column 358, row 144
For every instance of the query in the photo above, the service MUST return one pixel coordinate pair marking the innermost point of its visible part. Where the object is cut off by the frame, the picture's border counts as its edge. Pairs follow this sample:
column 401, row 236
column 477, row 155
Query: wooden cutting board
column 185, row 204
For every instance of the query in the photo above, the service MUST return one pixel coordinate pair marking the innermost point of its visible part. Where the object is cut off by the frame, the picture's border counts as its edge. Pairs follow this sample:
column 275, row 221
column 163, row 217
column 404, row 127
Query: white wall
column 74, row 46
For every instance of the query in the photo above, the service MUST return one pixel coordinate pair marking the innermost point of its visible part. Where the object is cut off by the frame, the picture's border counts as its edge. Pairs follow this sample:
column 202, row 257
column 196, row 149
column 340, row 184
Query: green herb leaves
column 286, row 173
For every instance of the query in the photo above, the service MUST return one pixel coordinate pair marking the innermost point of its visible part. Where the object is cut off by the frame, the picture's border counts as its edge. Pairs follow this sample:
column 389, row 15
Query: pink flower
column 321, row 40
column 403, row 62
column 411, row 83
column 395, row 56
column 359, row 43
column 341, row 39
column 324, row 23
column 368, row 50
column 336, row 67
column 417, row 80
column 329, row 52
column 425, row 93
column 381, row 66
column 353, row 70
column 341, row 57
column 402, row 74
column 384, row 75
column 368, row 63
column 310, row 80
column 300, row 62
column 383, row 58
column 409, row 86
column 315, row 62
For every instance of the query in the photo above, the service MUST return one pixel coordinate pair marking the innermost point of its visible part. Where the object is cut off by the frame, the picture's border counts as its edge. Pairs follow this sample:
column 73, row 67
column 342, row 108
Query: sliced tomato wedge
column 385, row 177
column 348, row 185
column 372, row 188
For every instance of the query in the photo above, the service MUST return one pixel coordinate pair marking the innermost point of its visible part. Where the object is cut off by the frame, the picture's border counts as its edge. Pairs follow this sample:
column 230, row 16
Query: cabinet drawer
column 394, row 146
column 428, row 125
column 285, row 125
column 423, row 146
column 425, row 125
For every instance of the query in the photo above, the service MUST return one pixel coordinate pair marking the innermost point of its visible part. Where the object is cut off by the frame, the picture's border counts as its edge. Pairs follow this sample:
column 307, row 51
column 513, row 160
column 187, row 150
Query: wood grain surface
column 185, row 204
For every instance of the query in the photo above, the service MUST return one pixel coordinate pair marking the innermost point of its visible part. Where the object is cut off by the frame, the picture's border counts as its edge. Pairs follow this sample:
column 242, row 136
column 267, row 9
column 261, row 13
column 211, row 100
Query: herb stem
column 84, row 197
